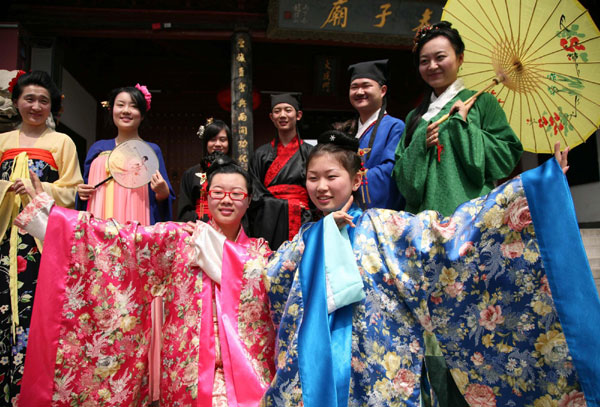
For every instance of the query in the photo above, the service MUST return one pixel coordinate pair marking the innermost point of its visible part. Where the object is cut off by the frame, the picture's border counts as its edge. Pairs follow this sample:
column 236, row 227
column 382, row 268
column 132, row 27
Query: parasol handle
column 102, row 182
column 495, row 81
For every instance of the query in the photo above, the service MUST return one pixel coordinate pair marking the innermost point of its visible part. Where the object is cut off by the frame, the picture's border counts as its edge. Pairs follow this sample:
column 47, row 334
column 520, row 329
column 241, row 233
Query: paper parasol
column 132, row 164
column 547, row 52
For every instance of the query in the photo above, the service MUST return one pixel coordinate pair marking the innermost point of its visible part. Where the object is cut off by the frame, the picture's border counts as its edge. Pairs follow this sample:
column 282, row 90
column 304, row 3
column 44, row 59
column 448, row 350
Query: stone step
column 591, row 242
column 591, row 247
column 591, row 239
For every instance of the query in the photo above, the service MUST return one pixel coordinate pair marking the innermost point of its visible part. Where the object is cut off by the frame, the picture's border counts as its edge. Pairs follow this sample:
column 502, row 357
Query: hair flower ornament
column 202, row 176
column 146, row 93
column 13, row 81
column 421, row 32
column 202, row 127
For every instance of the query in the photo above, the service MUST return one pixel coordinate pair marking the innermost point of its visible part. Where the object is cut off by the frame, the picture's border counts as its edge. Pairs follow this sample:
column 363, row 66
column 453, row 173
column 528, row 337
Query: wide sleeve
column 496, row 287
column 89, row 336
column 162, row 211
column 485, row 145
column 255, row 165
column 63, row 190
column 280, row 273
column 381, row 185
column 186, row 202
column 411, row 166
column 267, row 216
column 34, row 217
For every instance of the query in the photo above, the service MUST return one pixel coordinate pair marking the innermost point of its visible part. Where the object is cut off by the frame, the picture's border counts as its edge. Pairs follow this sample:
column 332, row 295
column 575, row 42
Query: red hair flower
column 13, row 81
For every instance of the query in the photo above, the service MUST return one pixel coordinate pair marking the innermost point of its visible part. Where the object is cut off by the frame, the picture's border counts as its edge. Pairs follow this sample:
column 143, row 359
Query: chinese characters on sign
column 327, row 69
column 338, row 15
column 388, row 17
column 425, row 18
column 241, row 97
column 384, row 13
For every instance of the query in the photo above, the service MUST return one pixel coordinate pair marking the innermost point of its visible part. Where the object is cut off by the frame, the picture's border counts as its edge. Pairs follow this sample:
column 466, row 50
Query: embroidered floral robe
column 512, row 303
column 91, row 327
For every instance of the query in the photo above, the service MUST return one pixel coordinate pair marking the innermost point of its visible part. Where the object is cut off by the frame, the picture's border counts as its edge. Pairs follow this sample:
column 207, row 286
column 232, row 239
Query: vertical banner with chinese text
column 241, row 97
column 327, row 75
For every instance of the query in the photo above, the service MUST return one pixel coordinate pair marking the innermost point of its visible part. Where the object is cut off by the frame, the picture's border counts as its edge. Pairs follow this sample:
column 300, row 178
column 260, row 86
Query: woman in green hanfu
column 440, row 166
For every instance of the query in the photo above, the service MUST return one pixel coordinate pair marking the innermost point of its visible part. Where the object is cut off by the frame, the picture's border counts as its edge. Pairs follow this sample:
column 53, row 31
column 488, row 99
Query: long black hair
column 39, row 78
column 443, row 28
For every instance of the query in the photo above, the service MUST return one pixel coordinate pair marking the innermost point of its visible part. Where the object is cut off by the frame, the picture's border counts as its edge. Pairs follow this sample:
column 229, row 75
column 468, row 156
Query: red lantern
column 224, row 99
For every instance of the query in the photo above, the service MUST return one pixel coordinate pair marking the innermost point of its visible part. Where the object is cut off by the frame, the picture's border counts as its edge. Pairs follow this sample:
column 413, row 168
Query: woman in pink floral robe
column 91, row 328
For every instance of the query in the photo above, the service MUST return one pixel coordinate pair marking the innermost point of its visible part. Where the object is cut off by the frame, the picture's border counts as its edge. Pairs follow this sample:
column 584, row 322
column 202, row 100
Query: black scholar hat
column 289, row 98
column 375, row 70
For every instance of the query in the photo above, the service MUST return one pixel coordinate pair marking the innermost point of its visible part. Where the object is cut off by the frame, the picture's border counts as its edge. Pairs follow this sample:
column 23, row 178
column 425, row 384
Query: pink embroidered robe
column 91, row 319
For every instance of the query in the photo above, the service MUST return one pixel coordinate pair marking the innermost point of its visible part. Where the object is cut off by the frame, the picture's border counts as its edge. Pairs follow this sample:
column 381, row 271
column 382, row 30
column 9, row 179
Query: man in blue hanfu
column 378, row 133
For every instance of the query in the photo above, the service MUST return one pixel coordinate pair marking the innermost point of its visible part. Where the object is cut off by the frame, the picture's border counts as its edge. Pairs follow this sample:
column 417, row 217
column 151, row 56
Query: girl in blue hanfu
column 503, row 284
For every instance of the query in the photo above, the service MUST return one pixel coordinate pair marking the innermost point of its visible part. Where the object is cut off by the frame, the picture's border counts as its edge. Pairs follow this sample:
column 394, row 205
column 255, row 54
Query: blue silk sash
column 324, row 341
column 568, row 271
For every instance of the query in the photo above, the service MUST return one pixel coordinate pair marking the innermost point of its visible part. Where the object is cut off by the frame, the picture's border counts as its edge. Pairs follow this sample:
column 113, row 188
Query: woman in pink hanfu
column 91, row 326
column 146, row 204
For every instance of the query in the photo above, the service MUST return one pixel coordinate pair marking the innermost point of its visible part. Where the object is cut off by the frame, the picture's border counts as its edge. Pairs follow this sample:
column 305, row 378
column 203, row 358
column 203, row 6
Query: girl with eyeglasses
column 217, row 339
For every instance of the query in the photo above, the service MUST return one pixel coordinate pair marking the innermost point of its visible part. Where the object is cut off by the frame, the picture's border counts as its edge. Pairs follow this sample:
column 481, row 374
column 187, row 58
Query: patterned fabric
column 97, row 324
column 476, row 280
column 59, row 173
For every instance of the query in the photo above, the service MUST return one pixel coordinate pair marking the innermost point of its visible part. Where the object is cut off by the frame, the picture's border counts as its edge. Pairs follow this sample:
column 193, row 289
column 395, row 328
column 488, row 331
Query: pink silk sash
column 38, row 377
column 239, row 373
column 206, row 357
column 243, row 386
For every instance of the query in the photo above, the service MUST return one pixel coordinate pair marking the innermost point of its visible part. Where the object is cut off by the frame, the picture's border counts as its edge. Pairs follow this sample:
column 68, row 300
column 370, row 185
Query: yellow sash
column 20, row 170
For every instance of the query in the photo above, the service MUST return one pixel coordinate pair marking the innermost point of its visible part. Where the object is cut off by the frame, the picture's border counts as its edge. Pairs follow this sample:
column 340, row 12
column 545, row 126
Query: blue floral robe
column 504, row 285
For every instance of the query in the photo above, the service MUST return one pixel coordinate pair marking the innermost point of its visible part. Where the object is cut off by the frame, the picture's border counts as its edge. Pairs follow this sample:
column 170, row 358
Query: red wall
column 9, row 40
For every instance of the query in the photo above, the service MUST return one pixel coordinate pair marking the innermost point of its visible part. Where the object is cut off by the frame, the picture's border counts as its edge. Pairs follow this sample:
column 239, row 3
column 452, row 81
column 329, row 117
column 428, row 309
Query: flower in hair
column 105, row 104
column 202, row 176
column 421, row 33
column 13, row 81
column 202, row 127
column 146, row 93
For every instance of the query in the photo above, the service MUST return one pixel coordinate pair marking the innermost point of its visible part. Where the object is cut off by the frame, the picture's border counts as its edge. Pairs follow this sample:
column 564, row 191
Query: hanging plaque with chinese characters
column 360, row 21
column 327, row 75
column 241, row 97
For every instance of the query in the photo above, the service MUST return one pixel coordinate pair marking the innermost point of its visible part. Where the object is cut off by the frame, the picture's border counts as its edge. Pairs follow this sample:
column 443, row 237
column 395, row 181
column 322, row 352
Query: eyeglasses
column 233, row 195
